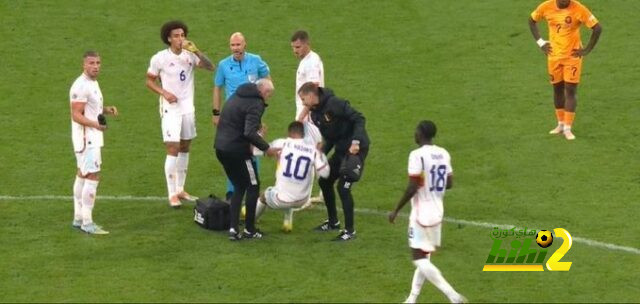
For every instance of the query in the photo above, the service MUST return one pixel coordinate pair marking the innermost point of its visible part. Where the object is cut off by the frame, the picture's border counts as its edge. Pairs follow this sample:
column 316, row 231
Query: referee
column 343, row 129
column 240, row 121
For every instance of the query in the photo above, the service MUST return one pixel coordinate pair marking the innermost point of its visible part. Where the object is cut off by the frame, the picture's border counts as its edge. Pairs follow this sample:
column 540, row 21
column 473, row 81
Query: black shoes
column 326, row 226
column 345, row 236
column 235, row 236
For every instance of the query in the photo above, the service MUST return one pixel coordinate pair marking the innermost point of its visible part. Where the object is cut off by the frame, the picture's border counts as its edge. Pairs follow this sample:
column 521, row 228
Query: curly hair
column 166, row 29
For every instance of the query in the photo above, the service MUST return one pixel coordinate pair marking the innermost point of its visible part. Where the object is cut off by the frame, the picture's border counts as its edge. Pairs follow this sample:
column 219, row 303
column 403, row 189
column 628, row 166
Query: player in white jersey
column 87, row 125
column 297, row 161
column 174, row 68
column 430, row 174
column 310, row 69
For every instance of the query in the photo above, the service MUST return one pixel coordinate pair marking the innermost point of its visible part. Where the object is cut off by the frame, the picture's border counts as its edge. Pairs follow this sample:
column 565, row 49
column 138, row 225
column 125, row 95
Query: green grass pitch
column 471, row 66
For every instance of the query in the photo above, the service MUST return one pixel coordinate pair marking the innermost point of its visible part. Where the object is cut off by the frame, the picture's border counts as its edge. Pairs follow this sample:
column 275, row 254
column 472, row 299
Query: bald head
column 237, row 44
column 265, row 87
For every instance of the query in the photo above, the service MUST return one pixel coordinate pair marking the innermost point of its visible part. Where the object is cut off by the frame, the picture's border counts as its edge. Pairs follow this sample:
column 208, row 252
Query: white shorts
column 424, row 238
column 176, row 127
column 89, row 160
column 274, row 202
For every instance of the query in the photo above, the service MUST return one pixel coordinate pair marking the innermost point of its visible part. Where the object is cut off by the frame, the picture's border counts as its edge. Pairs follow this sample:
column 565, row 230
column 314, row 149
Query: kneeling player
column 297, row 162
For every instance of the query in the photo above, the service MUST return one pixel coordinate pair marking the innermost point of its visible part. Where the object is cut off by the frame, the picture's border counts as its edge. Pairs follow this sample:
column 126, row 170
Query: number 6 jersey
column 431, row 166
column 298, row 161
column 176, row 74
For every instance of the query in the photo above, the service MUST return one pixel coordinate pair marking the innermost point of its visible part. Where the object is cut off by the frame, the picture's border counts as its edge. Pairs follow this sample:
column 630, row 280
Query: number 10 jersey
column 298, row 161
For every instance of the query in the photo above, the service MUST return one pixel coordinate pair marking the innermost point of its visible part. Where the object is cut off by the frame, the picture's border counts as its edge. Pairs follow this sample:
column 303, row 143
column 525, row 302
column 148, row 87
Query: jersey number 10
column 302, row 163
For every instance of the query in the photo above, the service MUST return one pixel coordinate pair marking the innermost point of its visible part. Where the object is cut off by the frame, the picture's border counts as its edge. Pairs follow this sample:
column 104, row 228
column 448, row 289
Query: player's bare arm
column 545, row 46
column 216, row 105
column 596, row 30
column 449, row 181
column 412, row 188
column 152, row 84
column 77, row 114
column 204, row 63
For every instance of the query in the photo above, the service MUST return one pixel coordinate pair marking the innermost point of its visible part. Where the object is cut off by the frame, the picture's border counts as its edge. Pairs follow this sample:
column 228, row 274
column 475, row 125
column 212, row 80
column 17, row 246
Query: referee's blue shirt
column 232, row 73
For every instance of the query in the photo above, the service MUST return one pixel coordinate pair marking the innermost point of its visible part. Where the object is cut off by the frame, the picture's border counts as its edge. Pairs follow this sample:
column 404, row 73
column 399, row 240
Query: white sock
column 431, row 273
column 416, row 286
column 260, row 208
column 88, row 200
column 170, row 174
column 77, row 198
column 288, row 217
column 182, row 163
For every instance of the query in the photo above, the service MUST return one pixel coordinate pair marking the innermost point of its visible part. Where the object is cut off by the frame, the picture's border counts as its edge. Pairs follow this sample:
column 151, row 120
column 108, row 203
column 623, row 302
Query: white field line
column 588, row 242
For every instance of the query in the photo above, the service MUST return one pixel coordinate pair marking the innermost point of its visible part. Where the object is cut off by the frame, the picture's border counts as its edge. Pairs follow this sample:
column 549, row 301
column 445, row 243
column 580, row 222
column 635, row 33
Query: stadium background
column 471, row 66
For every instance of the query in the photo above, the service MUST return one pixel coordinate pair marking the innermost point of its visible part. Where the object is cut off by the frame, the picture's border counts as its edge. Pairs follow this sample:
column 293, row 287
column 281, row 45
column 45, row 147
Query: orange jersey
column 564, row 25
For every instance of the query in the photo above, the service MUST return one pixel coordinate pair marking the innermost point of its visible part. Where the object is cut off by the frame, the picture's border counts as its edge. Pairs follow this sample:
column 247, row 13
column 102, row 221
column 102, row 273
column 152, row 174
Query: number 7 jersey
column 431, row 166
column 298, row 161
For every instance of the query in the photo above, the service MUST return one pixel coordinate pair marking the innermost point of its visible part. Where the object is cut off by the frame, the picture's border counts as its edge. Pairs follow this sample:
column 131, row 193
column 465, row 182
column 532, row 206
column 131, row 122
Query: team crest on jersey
column 328, row 117
column 74, row 96
column 567, row 20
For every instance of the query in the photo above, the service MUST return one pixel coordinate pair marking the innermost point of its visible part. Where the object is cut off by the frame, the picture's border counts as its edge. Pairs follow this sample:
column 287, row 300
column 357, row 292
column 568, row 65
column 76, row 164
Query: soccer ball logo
column 544, row 238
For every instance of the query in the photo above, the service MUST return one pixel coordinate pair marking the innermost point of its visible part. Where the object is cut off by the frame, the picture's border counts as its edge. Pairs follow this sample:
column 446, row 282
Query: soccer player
column 298, row 160
column 430, row 174
column 564, row 53
column 233, row 71
column 310, row 69
column 174, row 67
column 87, row 125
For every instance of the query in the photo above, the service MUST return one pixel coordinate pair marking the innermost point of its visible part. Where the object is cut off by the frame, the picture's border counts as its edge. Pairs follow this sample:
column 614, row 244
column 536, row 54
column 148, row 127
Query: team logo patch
column 74, row 96
column 567, row 20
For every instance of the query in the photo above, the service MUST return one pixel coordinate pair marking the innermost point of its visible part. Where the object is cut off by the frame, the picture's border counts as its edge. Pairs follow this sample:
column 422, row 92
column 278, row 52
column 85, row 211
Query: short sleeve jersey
column 431, row 165
column 296, row 164
column 176, row 73
column 87, row 91
column 231, row 73
column 564, row 25
column 310, row 69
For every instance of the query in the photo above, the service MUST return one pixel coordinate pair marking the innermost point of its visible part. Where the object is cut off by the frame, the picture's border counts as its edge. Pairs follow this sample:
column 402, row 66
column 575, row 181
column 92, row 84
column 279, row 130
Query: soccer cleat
column 76, row 224
column 252, row 235
column 569, row 135
column 174, row 201
column 458, row 299
column 326, row 226
column 93, row 229
column 557, row 130
column 234, row 236
column 345, row 236
column 287, row 227
column 186, row 196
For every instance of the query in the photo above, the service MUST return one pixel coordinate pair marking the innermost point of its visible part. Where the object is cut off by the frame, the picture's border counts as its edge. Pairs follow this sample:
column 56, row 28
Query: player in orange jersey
column 564, row 53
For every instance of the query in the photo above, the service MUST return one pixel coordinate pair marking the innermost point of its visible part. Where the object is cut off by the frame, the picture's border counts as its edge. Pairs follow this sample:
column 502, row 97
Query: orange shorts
column 566, row 69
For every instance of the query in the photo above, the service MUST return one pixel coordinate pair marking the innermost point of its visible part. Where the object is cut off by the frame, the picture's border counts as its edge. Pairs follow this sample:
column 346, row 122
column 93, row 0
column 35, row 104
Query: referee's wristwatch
column 215, row 112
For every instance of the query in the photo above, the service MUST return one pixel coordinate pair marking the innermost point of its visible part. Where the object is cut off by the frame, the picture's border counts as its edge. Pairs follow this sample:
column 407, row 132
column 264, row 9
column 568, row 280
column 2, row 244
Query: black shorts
column 240, row 169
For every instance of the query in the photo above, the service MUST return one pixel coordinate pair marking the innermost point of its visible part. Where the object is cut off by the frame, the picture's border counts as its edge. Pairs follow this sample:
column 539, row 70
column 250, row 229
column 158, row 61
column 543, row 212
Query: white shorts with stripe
column 176, row 127
column 424, row 238
column 274, row 202
column 89, row 160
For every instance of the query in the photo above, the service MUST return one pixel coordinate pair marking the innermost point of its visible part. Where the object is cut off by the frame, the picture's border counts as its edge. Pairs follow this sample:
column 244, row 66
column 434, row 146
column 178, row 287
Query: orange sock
column 560, row 115
column 568, row 118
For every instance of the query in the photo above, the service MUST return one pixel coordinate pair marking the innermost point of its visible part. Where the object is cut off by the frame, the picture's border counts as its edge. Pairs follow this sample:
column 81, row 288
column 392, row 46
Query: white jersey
column 297, row 162
column 87, row 91
column 309, row 69
column 176, row 73
column 432, row 165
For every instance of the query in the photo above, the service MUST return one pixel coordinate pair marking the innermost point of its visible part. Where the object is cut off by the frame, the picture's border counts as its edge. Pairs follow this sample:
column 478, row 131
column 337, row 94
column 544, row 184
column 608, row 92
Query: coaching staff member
column 240, row 121
column 343, row 129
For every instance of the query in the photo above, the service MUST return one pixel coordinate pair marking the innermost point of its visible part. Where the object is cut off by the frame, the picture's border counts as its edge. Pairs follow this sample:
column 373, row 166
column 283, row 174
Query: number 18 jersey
column 298, row 161
column 431, row 165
